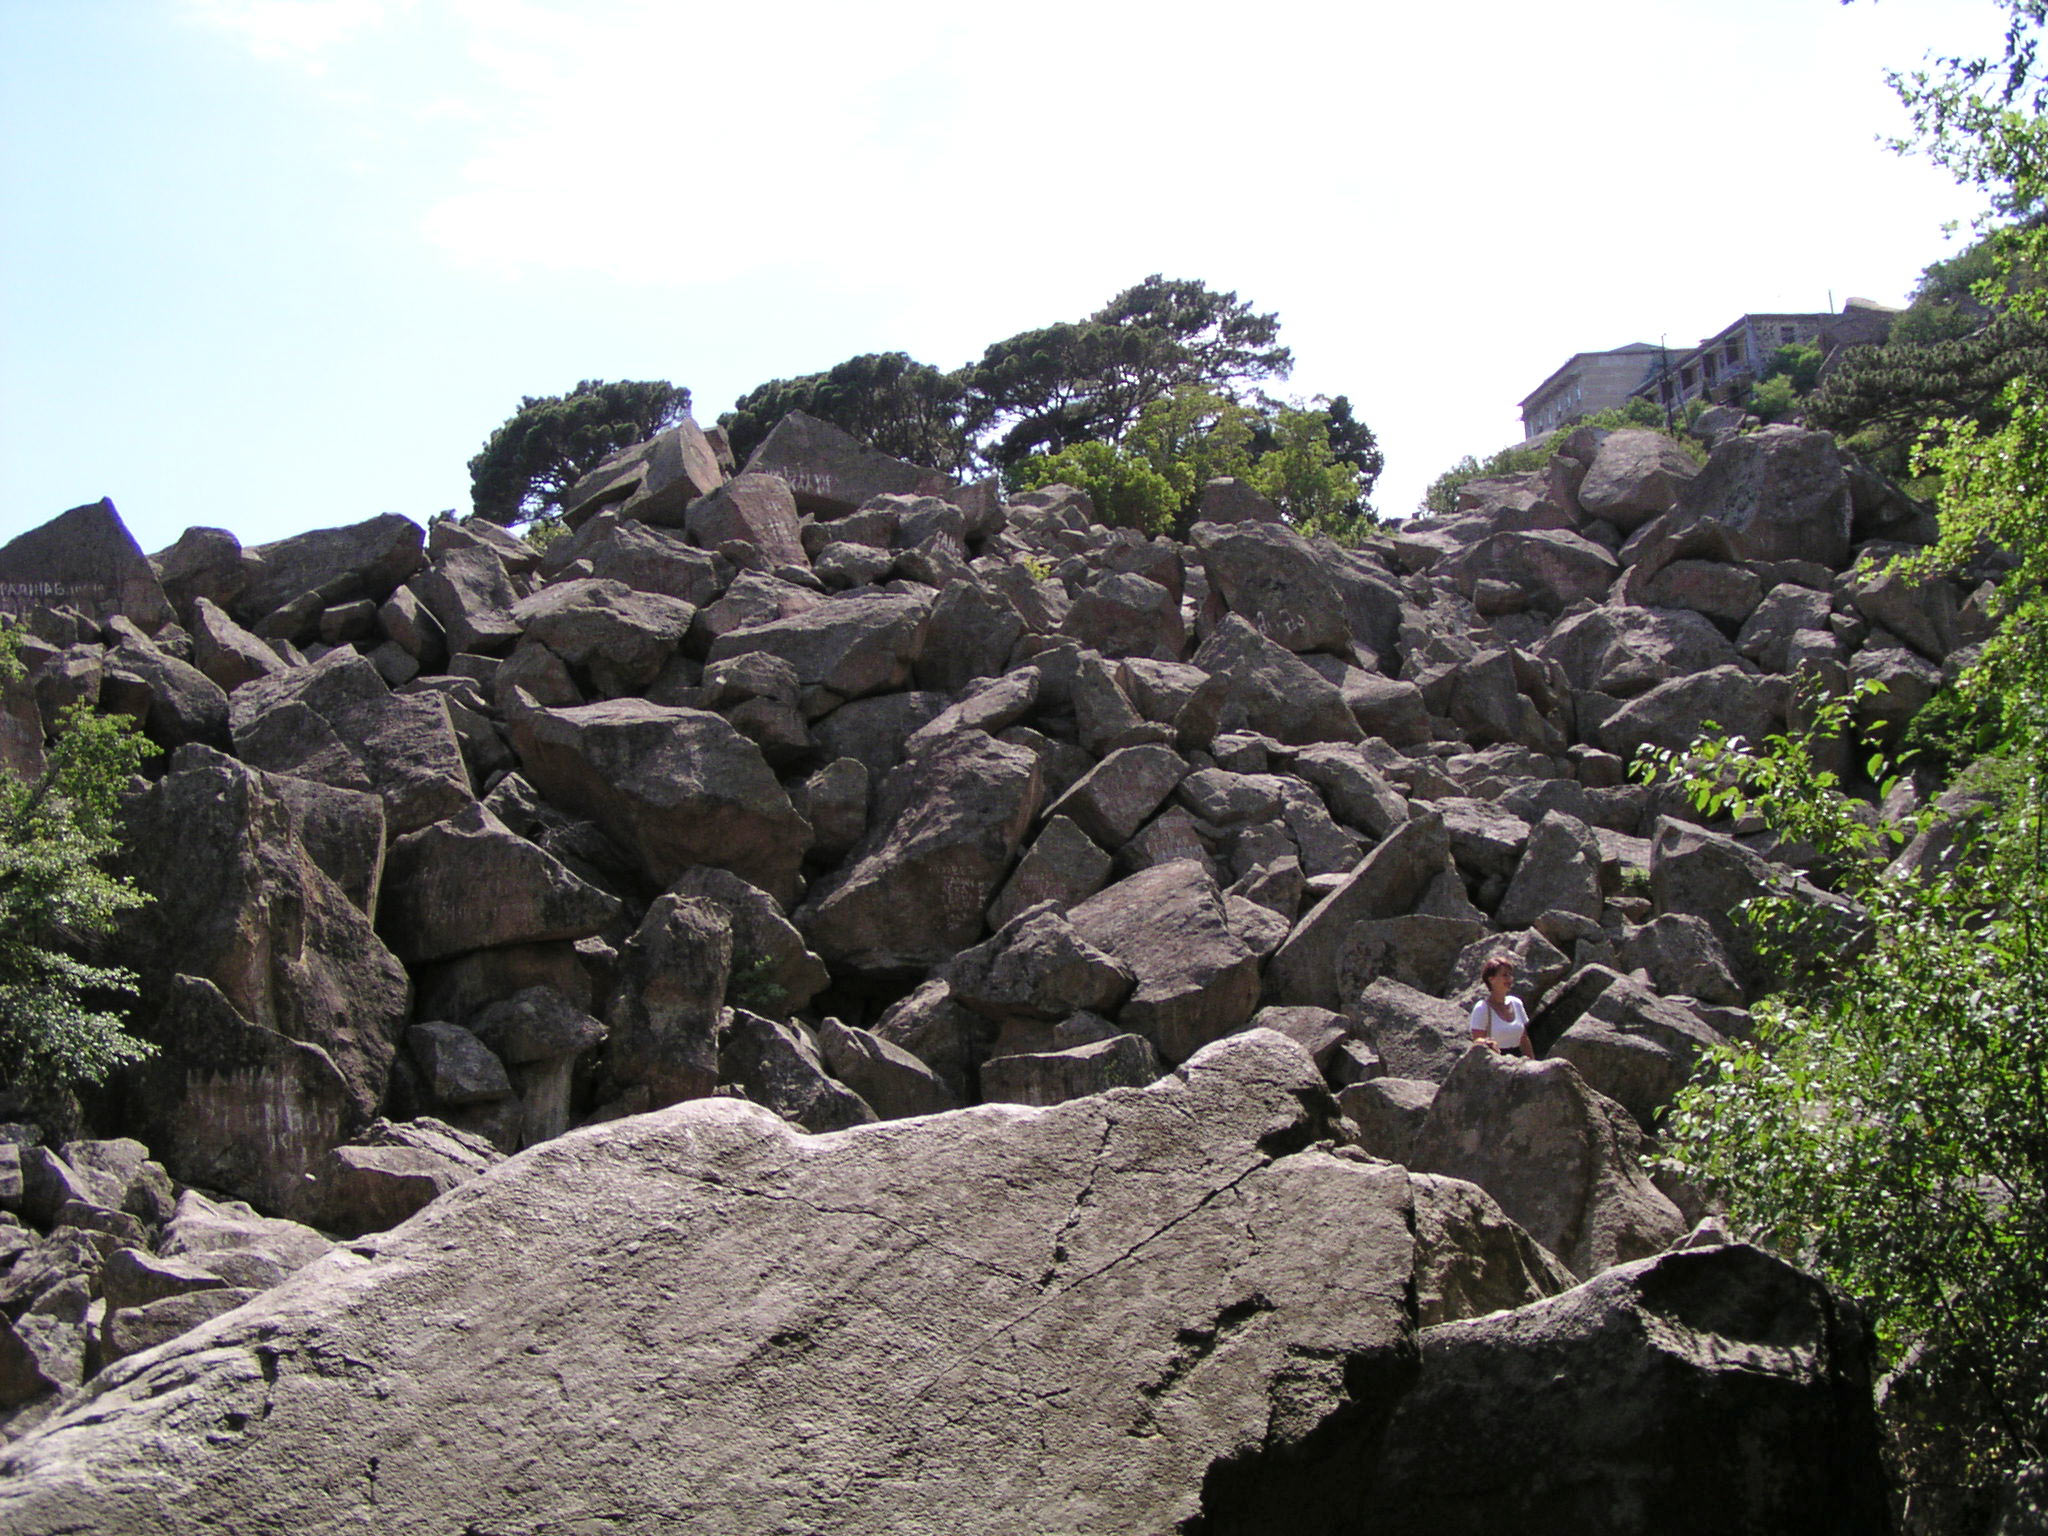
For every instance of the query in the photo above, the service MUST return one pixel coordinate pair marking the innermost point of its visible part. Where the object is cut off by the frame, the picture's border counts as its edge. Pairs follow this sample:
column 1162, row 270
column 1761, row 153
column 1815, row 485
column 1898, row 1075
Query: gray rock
column 1416, row 949
column 834, row 800
column 1227, row 499
column 1636, row 1048
column 470, row 882
column 87, row 559
column 770, row 961
column 1783, row 492
column 1552, row 567
column 950, row 1039
column 1054, row 1077
column 366, row 559
column 776, row 1066
column 1635, row 475
column 1197, row 980
column 1271, row 577
column 847, row 647
column 1624, row 651
column 915, row 892
column 756, row 509
column 970, row 634
column 1037, row 966
column 227, row 653
column 649, row 559
column 183, row 703
column 1387, row 883
column 1418, row 1036
column 535, row 1024
column 1561, row 1160
column 1063, row 865
column 650, row 482
column 675, row 787
column 1122, row 614
column 1719, row 1388
column 1559, row 872
column 457, row 1067
column 394, row 1170
column 1357, row 793
column 237, row 899
column 895, row 1083
column 1121, row 793
column 134, row 1277
column 1257, row 685
column 205, row 562
column 471, row 596
column 1471, row 1260
column 620, row 637
column 667, row 999
column 131, row 1330
column 1672, row 714
column 1389, row 1112
column 1114, row 1287
column 831, row 473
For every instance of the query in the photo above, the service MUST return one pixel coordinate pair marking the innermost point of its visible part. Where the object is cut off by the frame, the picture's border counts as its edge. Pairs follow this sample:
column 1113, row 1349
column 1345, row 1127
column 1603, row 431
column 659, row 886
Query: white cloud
column 303, row 32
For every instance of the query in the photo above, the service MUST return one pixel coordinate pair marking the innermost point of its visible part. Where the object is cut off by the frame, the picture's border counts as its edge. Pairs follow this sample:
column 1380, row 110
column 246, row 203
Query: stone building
column 1721, row 368
column 1590, row 382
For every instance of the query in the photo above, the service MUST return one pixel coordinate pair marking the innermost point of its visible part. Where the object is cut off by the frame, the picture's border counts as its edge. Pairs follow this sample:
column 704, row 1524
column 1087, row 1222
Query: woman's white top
column 1507, row 1032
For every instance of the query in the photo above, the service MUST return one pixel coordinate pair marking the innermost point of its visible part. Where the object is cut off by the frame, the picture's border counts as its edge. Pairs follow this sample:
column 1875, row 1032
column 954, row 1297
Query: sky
column 272, row 265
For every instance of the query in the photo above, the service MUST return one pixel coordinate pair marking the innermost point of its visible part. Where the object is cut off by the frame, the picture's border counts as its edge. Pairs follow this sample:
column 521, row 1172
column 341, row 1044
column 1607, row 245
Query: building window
column 1787, row 335
column 1734, row 351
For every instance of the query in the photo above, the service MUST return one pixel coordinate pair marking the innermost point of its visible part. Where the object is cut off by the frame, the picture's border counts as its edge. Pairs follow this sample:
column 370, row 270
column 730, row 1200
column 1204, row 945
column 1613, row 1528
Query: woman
column 1499, row 1021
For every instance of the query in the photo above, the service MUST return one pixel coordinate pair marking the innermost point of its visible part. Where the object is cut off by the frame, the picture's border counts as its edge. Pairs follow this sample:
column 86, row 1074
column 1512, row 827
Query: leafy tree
column 1773, row 398
column 1301, row 475
column 888, row 400
column 1883, row 1124
column 1043, row 390
column 55, row 896
column 552, row 441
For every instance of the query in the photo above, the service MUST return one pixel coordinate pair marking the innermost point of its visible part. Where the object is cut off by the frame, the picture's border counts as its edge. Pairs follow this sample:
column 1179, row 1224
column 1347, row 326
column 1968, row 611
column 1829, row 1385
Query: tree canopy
column 552, row 441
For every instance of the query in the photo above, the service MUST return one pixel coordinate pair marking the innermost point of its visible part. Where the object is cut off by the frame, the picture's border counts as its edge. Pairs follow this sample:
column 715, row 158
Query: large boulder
column 1672, row 714
column 916, row 891
column 777, row 1065
column 1388, row 882
column 1073, row 1319
column 1562, row 1161
column 1635, row 475
column 1270, row 576
column 85, row 559
column 675, row 787
column 367, row 559
column 1259, row 685
column 1551, row 568
column 1636, row 1048
column 237, row 899
column 1197, row 980
column 337, row 722
column 650, row 482
column 1783, row 492
column 619, row 637
column 471, row 882
column 1695, row 1393
column 667, row 1001
column 1622, row 650
column 752, row 509
column 831, row 473
column 863, row 643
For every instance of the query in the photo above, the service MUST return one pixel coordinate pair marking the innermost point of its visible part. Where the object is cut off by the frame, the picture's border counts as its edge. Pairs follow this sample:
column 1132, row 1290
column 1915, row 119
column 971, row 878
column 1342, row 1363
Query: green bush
column 1441, row 498
column 56, row 1030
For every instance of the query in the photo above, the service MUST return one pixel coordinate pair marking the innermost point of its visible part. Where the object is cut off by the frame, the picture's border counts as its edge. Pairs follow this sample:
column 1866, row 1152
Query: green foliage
column 1127, row 491
column 888, row 400
column 55, row 834
column 552, row 441
column 1883, row 1124
column 1441, row 498
column 751, row 985
column 1301, row 475
column 1797, row 361
column 1773, row 398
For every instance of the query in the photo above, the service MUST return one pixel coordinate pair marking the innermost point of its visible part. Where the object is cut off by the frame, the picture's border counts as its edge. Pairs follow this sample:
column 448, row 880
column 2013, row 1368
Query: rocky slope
column 861, row 796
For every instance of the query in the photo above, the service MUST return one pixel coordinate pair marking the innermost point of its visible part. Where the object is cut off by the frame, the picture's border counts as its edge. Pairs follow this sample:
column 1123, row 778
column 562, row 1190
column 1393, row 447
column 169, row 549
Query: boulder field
column 826, row 999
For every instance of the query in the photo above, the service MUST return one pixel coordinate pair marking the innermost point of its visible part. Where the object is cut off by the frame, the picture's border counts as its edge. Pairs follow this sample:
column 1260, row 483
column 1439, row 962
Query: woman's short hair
column 1496, row 965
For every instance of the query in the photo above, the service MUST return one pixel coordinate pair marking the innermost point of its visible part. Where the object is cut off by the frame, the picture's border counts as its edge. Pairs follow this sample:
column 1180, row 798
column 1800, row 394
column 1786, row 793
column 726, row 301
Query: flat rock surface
column 999, row 1320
